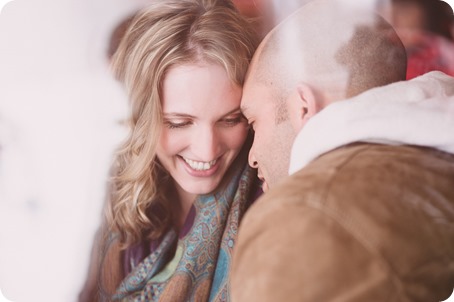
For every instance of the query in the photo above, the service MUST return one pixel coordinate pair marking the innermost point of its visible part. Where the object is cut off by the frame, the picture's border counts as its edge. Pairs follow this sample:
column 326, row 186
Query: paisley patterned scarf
column 200, row 266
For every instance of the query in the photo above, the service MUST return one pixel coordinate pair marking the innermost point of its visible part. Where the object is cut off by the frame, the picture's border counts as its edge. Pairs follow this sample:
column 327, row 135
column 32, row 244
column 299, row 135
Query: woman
column 182, row 182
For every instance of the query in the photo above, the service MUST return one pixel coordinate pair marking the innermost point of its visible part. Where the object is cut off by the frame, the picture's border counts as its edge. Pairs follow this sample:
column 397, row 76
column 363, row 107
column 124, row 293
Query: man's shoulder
column 371, row 158
column 356, row 174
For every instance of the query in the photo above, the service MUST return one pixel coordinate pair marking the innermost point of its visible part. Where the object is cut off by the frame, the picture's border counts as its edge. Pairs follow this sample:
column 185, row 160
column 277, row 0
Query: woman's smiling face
column 204, row 129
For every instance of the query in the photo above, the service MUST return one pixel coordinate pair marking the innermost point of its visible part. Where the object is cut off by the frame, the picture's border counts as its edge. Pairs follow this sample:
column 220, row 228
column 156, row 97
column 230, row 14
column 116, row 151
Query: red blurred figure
column 424, row 27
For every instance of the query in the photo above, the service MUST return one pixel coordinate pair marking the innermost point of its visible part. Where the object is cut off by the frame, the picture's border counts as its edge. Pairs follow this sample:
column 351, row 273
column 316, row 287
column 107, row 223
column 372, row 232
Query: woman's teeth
column 200, row 165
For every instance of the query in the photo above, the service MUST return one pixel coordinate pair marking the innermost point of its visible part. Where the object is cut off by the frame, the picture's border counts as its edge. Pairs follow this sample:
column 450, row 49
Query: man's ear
column 308, row 104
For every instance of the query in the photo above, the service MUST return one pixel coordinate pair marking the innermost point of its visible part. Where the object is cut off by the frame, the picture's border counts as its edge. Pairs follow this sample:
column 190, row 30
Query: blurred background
column 61, row 113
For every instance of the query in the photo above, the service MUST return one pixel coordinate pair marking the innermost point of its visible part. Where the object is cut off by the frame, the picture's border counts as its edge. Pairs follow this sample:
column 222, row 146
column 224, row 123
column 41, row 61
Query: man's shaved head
column 333, row 47
column 324, row 52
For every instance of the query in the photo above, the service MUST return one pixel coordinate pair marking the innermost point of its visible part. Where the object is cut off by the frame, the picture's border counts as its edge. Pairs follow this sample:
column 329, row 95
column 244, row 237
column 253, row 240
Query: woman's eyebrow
column 179, row 115
column 185, row 115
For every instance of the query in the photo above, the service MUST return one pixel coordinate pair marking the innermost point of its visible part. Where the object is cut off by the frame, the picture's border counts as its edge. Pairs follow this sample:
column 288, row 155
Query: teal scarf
column 200, row 267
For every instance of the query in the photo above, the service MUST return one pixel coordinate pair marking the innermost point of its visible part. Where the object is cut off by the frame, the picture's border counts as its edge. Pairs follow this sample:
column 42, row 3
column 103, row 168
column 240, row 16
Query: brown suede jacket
column 364, row 222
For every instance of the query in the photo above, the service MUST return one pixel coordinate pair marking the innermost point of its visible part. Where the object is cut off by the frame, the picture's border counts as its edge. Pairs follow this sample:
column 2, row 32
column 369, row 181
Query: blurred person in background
column 268, row 13
column 117, row 35
column 180, row 182
column 425, row 28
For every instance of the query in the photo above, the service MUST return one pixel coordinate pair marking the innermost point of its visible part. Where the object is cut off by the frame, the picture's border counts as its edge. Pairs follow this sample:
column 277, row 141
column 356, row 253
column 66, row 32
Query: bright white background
column 59, row 124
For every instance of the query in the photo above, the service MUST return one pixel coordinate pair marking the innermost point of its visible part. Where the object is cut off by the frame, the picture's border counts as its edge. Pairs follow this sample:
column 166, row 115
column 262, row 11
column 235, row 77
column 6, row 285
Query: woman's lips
column 201, row 169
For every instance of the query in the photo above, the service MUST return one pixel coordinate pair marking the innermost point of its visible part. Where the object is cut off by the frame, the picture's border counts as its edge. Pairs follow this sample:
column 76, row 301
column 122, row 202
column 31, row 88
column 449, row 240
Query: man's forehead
column 255, row 96
column 245, row 106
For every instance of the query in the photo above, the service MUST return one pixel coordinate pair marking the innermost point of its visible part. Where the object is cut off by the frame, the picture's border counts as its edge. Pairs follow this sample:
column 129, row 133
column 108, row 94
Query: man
column 367, row 213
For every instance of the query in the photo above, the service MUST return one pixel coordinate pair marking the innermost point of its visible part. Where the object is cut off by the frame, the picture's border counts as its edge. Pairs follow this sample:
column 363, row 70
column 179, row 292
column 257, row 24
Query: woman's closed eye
column 177, row 124
column 233, row 121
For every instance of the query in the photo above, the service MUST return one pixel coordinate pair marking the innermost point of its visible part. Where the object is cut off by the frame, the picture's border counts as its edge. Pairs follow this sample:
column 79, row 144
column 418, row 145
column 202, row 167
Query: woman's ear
column 304, row 105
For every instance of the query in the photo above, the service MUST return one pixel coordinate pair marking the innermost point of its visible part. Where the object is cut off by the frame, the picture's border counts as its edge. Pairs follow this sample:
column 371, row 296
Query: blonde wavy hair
column 166, row 33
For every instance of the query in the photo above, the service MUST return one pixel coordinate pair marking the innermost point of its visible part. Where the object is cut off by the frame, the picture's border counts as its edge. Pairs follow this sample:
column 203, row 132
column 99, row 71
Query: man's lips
column 265, row 187
column 264, row 183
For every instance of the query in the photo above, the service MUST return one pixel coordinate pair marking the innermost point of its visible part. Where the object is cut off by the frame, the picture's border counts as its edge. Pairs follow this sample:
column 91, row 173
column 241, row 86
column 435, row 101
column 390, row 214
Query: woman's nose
column 206, row 144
